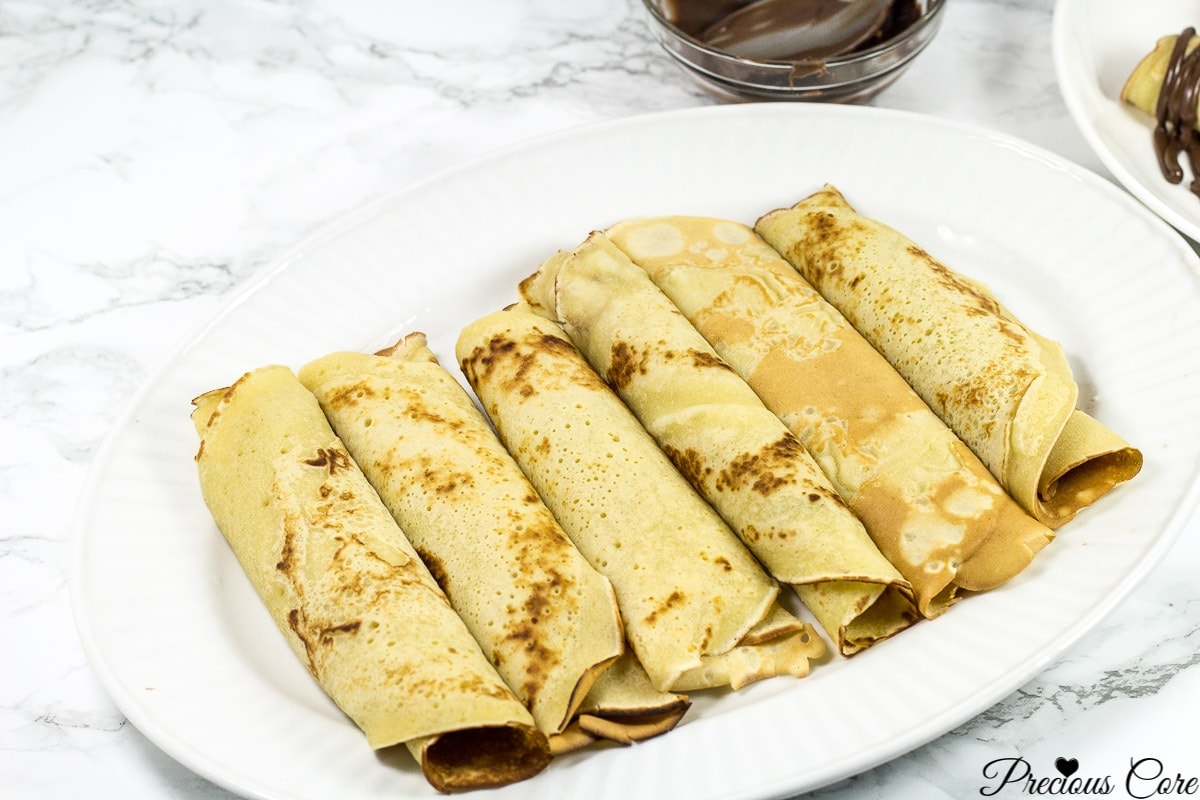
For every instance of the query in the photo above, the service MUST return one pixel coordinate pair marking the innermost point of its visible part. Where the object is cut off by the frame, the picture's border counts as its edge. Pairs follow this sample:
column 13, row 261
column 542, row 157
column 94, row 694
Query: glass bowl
column 851, row 78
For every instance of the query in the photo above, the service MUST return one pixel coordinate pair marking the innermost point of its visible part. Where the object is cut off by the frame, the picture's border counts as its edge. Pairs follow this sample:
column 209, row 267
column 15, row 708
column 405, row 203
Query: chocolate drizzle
column 1175, row 130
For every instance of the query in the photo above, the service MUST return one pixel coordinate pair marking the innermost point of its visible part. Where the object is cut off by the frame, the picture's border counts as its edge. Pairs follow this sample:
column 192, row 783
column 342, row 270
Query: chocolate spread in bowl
column 705, row 20
column 1175, row 115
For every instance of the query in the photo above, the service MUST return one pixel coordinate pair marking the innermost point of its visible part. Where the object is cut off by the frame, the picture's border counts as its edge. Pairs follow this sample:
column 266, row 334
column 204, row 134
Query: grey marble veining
column 154, row 156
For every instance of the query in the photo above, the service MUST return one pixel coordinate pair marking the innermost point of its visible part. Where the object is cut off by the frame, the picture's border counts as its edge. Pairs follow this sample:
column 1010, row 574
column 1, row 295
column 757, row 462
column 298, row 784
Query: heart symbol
column 1067, row 766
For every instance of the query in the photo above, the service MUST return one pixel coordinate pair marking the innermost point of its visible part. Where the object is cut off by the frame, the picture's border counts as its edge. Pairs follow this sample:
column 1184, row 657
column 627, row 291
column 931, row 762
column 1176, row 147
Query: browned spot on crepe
column 766, row 471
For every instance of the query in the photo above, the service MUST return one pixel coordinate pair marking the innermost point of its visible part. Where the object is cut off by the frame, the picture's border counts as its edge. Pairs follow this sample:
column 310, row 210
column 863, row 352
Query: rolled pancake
column 688, row 590
column 348, row 591
column 544, row 616
column 1005, row 390
column 925, row 498
column 737, row 454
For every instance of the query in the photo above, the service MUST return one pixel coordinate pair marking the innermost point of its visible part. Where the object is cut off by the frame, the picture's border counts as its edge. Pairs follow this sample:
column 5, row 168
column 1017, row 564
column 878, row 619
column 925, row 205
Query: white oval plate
column 1097, row 43
column 187, row 652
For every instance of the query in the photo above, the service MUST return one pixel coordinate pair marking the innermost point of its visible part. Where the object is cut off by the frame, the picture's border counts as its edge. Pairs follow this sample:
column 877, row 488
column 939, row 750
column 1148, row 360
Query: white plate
column 187, row 652
column 1097, row 43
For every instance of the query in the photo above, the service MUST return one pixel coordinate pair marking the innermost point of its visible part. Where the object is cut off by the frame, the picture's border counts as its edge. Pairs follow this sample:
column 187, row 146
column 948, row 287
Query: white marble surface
column 154, row 155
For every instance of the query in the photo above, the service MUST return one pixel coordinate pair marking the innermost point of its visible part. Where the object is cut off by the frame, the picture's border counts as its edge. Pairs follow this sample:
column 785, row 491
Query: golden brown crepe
column 739, row 456
column 348, row 590
column 1005, row 390
column 925, row 498
column 543, row 615
column 689, row 592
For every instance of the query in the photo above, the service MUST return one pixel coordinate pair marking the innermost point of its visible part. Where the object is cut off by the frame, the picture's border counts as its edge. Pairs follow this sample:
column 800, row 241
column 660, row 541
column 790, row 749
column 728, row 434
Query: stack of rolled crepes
column 545, row 618
column 926, row 501
column 685, row 413
column 349, row 592
column 1005, row 390
column 739, row 456
column 414, row 569
column 699, row 610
